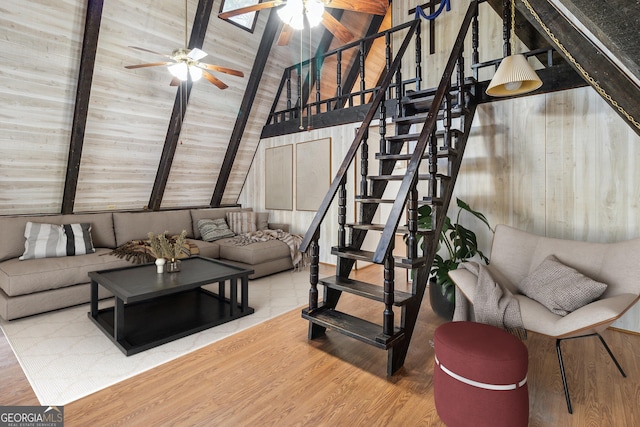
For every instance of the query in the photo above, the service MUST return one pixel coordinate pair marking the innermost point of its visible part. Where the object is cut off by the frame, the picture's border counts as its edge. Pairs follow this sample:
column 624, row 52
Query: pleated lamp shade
column 514, row 77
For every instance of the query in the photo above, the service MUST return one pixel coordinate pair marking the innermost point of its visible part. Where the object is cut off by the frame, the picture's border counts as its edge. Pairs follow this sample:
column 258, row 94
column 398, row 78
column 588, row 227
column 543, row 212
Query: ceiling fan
column 294, row 13
column 185, row 63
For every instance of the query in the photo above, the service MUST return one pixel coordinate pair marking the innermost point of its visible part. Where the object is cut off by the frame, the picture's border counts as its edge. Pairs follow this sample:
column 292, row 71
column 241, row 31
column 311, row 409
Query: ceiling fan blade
column 221, row 69
column 150, row 51
column 264, row 5
column 373, row 7
column 152, row 64
column 196, row 54
column 214, row 80
column 336, row 28
column 285, row 35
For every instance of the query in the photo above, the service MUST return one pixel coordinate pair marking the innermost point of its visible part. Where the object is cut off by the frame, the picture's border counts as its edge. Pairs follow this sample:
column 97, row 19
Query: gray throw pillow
column 560, row 288
column 52, row 240
column 214, row 229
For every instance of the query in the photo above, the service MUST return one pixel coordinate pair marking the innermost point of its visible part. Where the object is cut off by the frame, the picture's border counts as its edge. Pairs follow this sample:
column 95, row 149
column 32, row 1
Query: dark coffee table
column 152, row 309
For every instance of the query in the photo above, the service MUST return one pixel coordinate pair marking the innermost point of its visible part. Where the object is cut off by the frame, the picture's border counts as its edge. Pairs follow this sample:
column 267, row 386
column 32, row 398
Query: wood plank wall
column 129, row 110
column 562, row 165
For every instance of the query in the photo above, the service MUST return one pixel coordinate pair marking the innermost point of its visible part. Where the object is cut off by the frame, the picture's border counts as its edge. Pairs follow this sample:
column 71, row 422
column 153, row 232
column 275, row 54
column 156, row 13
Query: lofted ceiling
column 118, row 154
column 120, row 149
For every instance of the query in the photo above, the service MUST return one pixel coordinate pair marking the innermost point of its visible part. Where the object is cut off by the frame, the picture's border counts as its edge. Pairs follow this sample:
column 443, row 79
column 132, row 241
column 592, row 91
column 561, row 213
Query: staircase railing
column 455, row 60
column 294, row 106
column 381, row 93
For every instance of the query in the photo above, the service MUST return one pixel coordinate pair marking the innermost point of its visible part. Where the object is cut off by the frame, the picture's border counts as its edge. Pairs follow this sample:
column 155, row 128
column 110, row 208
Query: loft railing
column 293, row 101
column 378, row 102
column 454, row 64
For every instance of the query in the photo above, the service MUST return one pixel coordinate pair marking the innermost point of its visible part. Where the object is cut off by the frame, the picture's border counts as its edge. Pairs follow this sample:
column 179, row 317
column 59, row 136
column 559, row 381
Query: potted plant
column 461, row 244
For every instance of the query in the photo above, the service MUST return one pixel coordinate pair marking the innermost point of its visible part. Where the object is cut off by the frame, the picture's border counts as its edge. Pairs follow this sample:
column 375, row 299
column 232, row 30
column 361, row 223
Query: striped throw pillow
column 242, row 222
column 51, row 240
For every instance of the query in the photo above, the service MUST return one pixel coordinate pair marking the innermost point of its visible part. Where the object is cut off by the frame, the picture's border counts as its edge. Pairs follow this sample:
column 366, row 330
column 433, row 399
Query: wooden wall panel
column 38, row 61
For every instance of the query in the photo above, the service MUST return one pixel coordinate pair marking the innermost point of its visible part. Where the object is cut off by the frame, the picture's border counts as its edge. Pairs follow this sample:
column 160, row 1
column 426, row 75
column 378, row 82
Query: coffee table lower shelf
column 160, row 320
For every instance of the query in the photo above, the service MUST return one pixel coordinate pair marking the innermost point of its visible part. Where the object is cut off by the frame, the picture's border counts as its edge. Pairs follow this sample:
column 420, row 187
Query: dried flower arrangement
column 169, row 247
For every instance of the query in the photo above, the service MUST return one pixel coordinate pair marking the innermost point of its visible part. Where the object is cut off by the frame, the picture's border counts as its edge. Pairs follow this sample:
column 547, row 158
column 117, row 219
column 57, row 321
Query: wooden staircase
column 443, row 116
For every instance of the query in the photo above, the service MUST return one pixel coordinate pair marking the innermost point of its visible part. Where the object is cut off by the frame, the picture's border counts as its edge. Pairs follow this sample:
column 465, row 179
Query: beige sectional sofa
column 34, row 286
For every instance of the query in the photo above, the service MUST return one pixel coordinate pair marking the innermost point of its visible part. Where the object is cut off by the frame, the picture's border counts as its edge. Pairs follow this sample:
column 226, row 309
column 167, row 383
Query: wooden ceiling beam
column 266, row 43
column 198, row 32
column 81, row 109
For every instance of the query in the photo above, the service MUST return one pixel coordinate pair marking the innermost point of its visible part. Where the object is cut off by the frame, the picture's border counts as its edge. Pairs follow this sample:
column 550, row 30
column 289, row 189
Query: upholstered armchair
column 566, row 289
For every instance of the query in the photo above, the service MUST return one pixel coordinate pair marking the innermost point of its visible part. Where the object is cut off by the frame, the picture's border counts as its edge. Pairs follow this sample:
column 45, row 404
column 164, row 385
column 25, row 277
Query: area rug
column 66, row 357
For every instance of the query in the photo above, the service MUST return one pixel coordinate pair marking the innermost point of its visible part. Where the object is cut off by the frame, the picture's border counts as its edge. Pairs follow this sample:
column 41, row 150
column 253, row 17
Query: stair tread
column 360, row 199
column 380, row 227
column 421, row 177
column 415, row 136
column 353, row 327
column 427, row 200
column 442, row 152
column 422, row 117
column 362, row 255
column 364, row 289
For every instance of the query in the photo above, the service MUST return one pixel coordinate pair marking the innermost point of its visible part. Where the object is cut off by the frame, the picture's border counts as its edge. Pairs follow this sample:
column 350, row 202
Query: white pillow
column 51, row 240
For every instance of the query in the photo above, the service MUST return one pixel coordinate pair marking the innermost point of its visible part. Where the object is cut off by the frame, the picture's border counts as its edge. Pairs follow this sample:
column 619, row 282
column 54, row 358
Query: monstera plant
column 461, row 245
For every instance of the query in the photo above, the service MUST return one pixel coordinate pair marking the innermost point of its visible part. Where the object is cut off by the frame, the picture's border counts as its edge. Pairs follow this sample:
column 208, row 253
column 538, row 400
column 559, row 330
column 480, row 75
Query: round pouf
column 480, row 376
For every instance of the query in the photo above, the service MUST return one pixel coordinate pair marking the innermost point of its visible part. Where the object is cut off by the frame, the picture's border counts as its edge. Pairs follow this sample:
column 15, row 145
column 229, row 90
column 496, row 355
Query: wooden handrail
column 340, row 175
column 320, row 60
column 388, row 235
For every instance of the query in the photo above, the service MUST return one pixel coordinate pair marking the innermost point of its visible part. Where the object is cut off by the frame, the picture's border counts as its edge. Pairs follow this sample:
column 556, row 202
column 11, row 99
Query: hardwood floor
column 272, row 375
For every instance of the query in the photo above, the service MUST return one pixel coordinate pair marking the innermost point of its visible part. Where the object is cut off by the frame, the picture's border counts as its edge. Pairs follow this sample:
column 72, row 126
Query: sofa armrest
column 278, row 226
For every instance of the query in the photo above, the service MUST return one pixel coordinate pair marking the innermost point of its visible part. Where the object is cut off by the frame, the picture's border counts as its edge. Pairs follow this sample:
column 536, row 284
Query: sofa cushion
column 137, row 225
column 207, row 249
column 254, row 253
column 12, row 230
column 211, row 213
column 560, row 288
column 50, row 240
column 214, row 229
column 242, row 222
column 35, row 275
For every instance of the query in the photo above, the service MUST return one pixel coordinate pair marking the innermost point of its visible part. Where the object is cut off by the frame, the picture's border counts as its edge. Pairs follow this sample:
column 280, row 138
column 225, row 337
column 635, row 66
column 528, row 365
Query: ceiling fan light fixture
column 315, row 10
column 179, row 70
column 293, row 14
column 195, row 73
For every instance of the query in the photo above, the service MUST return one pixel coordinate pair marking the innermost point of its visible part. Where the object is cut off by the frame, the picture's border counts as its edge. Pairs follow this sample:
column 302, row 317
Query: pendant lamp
column 515, row 75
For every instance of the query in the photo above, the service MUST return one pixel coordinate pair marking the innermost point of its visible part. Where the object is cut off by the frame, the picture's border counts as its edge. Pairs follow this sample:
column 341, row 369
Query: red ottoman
column 480, row 376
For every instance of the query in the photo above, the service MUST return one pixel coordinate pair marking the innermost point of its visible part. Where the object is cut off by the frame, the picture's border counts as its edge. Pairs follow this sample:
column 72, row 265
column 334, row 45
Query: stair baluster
column 388, row 56
column 342, row 213
column 433, row 165
column 446, row 122
column 363, row 84
column 318, row 86
column 460, row 79
column 338, row 80
column 364, row 166
column 412, row 222
column 289, row 105
column 314, row 268
column 418, row 58
column 389, row 289
column 383, row 126
column 475, row 43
